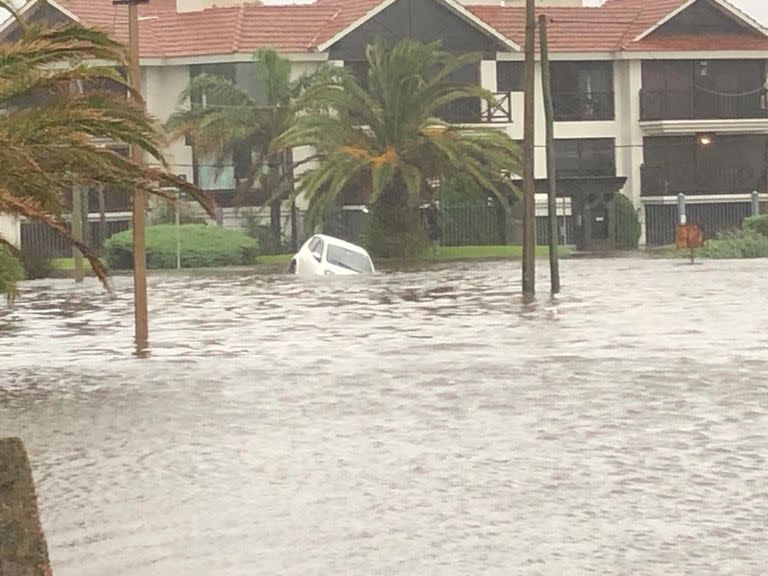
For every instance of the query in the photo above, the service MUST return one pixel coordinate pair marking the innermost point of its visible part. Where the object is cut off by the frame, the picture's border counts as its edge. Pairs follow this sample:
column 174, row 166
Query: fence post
column 755, row 203
column 681, row 219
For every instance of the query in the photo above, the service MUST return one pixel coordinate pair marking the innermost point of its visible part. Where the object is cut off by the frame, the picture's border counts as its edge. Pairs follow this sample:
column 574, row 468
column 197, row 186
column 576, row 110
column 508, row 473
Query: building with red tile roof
column 636, row 82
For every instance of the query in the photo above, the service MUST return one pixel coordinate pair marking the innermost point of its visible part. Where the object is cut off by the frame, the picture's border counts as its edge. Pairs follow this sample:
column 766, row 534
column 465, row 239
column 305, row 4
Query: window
column 316, row 246
column 509, row 76
column 585, row 158
column 346, row 258
column 582, row 90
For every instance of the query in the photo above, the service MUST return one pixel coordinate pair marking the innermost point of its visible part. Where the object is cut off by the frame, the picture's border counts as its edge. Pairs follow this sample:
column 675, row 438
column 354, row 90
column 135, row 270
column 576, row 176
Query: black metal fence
column 700, row 105
column 39, row 239
column 661, row 219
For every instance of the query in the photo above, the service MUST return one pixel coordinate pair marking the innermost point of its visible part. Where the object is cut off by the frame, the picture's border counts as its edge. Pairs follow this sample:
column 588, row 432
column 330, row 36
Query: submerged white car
column 327, row 256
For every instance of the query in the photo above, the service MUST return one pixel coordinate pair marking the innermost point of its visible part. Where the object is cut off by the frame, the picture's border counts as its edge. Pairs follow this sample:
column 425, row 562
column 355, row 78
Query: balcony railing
column 583, row 106
column 474, row 111
column 656, row 181
column 701, row 105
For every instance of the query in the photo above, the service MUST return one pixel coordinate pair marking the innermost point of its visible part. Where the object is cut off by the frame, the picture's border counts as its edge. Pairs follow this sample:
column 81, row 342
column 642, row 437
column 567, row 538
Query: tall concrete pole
column 546, row 89
column 529, row 175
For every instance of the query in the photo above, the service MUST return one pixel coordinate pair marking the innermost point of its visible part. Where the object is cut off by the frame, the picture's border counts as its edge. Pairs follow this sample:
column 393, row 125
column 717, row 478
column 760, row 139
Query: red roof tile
column 301, row 28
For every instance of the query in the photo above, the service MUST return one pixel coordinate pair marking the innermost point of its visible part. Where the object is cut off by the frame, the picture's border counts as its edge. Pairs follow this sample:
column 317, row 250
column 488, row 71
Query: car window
column 313, row 244
column 346, row 258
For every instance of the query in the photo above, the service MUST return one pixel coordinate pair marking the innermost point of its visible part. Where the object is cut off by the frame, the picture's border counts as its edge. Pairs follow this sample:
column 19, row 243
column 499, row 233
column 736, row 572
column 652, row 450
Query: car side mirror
column 317, row 256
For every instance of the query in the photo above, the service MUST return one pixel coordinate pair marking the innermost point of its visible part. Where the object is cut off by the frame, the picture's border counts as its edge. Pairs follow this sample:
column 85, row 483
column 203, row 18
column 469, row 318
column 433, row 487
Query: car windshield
column 339, row 256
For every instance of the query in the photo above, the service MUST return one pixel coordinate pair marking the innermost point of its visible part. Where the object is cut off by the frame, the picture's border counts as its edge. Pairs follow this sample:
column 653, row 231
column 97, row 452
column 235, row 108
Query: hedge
column 758, row 224
column 11, row 272
column 202, row 246
column 737, row 244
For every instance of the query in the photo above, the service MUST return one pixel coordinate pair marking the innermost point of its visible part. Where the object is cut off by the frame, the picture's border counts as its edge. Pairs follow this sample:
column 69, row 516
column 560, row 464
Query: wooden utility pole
column 529, row 175
column 549, row 114
column 139, row 201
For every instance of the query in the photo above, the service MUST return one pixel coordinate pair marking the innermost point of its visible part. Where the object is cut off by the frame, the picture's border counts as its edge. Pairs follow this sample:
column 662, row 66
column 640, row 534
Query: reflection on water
column 408, row 423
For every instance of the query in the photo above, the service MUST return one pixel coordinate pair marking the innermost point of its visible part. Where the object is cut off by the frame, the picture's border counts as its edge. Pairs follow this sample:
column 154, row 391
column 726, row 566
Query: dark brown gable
column 423, row 20
column 703, row 17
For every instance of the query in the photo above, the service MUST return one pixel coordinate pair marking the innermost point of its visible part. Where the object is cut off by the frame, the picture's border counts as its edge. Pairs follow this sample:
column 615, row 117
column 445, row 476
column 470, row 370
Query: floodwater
column 411, row 423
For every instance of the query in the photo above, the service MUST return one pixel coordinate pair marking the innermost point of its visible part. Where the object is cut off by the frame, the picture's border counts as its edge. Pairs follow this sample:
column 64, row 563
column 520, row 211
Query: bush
column 744, row 243
column 201, row 247
column 628, row 228
column 11, row 272
column 757, row 224
column 37, row 264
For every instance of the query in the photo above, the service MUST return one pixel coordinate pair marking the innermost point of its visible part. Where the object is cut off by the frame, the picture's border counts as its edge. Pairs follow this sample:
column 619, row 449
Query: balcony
column 744, row 179
column 475, row 111
column 583, row 106
column 701, row 105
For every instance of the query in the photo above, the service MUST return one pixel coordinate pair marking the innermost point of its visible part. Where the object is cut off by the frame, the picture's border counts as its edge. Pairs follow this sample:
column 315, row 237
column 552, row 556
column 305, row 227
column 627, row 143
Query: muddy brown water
column 415, row 422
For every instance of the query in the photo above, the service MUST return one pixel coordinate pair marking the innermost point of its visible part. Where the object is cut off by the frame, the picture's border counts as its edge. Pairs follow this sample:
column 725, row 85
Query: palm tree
column 386, row 140
column 56, row 133
column 224, row 121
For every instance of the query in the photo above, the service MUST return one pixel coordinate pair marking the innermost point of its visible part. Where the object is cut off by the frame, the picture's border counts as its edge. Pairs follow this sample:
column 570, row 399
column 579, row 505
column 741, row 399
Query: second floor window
column 509, row 76
column 582, row 90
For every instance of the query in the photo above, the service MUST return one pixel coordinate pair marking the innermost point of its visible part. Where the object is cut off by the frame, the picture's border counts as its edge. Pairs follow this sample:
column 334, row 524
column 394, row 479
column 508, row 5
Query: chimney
column 197, row 5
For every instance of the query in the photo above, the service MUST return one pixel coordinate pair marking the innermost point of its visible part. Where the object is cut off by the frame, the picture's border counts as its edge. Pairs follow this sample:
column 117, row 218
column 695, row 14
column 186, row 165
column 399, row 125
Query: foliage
column 37, row 264
column 224, row 121
column 461, row 189
column 55, row 119
column 627, row 229
column 385, row 139
column 746, row 243
column 757, row 223
column 201, row 247
column 11, row 272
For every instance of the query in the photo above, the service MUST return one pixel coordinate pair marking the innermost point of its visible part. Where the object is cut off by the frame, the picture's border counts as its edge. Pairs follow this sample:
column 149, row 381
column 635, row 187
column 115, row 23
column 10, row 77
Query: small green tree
column 627, row 228
column 387, row 136
column 231, row 122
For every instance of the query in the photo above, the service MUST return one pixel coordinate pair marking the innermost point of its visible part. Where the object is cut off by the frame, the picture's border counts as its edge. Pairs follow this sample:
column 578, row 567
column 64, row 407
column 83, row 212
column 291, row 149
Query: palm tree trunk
column 271, row 183
column 396, row 228
column 274, row 221
column 102, row 219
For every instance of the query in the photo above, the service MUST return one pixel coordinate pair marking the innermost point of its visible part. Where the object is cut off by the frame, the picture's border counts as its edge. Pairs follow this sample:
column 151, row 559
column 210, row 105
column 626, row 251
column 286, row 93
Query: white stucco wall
column 162, row 87
column 10, row 229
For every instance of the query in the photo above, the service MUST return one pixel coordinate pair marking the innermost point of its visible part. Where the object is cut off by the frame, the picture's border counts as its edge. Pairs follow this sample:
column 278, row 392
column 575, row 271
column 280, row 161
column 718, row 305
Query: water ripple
column 415, row 422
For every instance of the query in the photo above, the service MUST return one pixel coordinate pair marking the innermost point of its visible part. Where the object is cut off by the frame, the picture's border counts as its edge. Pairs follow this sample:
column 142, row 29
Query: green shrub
column 37, row 264
column 11, row 272
column 744, row 243
column 628, row 229
column 201, row 247
column 758, row 224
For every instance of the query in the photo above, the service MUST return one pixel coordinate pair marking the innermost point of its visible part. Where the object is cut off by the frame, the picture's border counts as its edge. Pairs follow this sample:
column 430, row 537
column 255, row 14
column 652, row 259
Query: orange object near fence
column 689, row 237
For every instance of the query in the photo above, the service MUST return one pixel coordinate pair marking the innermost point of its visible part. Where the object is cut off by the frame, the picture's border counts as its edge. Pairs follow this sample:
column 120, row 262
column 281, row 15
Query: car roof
column 340, row 242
